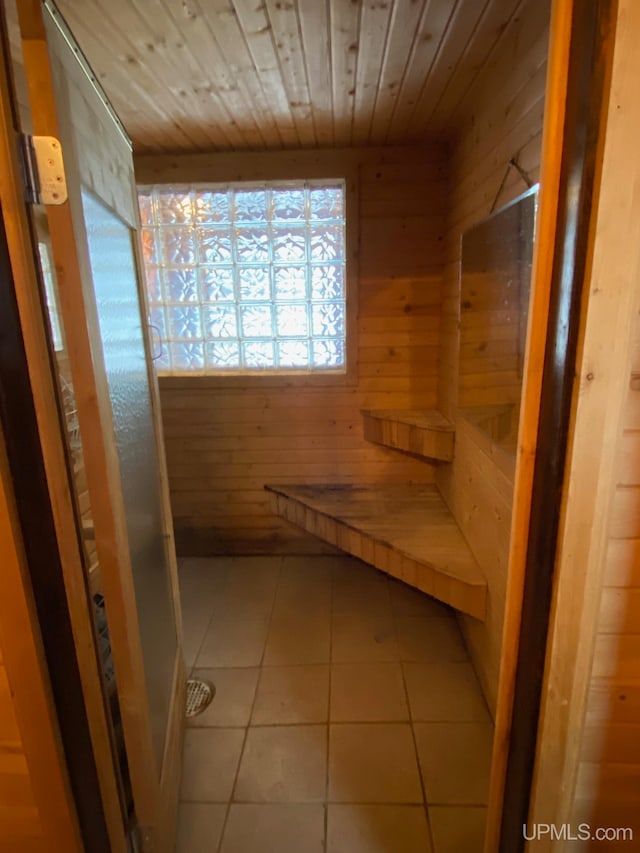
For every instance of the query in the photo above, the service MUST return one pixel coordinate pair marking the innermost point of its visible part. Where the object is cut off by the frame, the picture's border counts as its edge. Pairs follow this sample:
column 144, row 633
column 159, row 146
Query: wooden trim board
column 406, row 531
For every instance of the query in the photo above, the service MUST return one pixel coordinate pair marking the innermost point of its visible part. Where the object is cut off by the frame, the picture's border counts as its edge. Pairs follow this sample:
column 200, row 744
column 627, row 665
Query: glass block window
column 246, row 278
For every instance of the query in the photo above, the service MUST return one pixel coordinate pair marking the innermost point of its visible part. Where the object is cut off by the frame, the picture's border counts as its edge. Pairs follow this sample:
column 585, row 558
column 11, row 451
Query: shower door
column 102, row 311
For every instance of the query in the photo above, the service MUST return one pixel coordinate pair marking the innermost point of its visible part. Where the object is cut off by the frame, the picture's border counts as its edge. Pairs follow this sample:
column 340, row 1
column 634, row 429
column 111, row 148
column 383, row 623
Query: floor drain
column 199, row 696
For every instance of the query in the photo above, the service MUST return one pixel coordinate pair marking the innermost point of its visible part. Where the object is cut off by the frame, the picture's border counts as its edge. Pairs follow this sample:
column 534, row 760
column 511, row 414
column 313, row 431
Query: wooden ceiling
column 267, row 74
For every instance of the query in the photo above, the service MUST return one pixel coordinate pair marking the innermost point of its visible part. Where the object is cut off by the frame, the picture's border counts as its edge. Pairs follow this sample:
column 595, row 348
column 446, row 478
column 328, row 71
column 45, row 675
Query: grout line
column 328, row 723
column 326, row 789
column 376, row 803
column 228, row 809
column 217, row 595
column 415, row 743
column 248, row 726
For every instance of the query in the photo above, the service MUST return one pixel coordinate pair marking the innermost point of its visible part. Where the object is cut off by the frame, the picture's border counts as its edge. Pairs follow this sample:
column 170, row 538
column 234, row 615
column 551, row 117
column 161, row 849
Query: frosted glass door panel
column 116, row 290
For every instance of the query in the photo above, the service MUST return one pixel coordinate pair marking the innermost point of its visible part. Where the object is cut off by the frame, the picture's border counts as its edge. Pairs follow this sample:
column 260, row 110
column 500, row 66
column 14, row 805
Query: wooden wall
column 607, row 792
column 226, row 438
column 20, row 826
column 505, row 111
column 608, row 786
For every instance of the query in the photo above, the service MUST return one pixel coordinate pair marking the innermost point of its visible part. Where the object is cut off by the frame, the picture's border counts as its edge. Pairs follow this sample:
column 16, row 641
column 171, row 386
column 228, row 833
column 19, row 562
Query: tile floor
column 347, row 717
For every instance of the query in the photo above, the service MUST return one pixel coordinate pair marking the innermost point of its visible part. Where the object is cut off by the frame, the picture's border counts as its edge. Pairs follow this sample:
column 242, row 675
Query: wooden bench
column 406, row 531
column 424, row 433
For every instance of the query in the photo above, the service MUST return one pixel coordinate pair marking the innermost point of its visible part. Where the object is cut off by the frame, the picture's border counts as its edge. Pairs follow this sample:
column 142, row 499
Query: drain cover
column 199, row 696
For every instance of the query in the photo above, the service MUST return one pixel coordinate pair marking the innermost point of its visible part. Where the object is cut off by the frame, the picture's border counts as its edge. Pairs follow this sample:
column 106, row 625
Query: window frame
column 270, row 168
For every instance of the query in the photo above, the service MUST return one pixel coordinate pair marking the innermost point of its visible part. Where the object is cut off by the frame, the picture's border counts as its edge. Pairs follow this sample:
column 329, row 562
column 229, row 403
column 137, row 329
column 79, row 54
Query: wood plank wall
column 608, row 784
column 20, row 826
column 505, row 121
column 225, row 442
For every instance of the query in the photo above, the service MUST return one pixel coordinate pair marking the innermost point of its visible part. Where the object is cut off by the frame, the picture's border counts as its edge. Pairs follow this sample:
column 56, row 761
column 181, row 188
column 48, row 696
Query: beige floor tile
column 248, row 575
column 359, row 638
column 231, row 705
column 297, row 641
column 201, row 583
column 457, row 829
column 292, row 694
column 378, row 829
column 408, row 601
column 373, row 763
column 367, row 692
column 283, row 764
column 250, row 590
column 200, row 827
column 195, row 622
column 425, row 640
column 210, row 762
column 309, row 568
column 345, row 566
column 235, row 642
column 264, row 565
column 240, row 602
column 303, row 598
column 444, row 692
column 361, row 591
column 274, row 828
column 202, row 576
column 455, row 760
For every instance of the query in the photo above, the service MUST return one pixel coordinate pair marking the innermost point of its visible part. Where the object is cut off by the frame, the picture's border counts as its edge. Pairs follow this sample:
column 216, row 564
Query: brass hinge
column 43, row 169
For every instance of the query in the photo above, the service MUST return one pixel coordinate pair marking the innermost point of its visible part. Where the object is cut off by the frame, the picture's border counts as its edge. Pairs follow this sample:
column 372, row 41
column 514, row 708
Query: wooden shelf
column 424, row 433
column 404, row 530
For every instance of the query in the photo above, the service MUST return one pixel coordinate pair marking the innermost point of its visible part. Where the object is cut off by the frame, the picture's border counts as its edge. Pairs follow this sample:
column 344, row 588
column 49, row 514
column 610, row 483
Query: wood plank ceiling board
column 374, row 30
column 127, row 71
column 214, row 77
column 186, row 59
column 316, row 40
column 404, row 32
column 494, row 21
column 257, row 32
column 519, row 53
column 285, row 26
column 463, row 24
column 268, row 74
column 345, row 22
column 432, row 29
column 234, row 47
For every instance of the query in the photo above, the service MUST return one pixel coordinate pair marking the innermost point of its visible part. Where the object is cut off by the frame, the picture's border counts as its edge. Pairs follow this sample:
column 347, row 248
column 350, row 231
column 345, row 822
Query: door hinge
column 43, row 169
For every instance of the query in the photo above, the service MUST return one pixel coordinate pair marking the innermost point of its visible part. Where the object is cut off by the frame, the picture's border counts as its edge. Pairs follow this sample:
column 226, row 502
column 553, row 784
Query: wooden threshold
column 424, row 433
column 404, row 530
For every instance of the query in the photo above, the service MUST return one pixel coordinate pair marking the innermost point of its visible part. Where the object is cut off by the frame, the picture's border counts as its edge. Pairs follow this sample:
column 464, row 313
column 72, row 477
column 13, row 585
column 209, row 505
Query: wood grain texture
column 226, row 437
column 609, row 744
column 427, row 433
column 249, row 75
column 593, row 659
column 406, row 531
column 20, row 825
column 37, row 811
column 506, row 103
